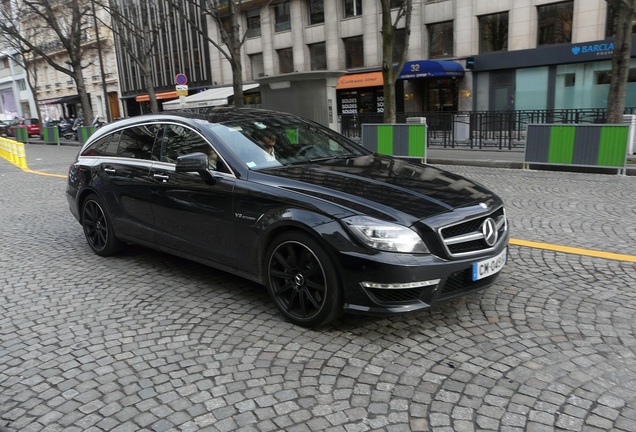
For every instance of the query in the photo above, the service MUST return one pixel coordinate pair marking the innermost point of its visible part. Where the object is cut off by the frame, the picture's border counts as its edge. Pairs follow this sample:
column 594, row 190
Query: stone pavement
column 149, row 342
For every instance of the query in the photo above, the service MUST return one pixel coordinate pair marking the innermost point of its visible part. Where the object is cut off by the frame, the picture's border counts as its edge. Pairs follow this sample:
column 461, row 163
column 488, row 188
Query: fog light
column 400, row 285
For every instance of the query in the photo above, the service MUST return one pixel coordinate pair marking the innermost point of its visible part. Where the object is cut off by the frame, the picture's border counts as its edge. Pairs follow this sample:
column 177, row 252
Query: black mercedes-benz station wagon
column 328, row 226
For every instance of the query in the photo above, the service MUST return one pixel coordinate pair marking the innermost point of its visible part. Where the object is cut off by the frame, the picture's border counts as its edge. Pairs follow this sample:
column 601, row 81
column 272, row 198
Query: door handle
column 161, row 177
column 109, row 170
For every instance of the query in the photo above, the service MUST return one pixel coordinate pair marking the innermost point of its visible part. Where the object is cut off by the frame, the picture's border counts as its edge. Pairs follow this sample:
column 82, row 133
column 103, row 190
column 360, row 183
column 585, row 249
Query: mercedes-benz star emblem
column 489, row 230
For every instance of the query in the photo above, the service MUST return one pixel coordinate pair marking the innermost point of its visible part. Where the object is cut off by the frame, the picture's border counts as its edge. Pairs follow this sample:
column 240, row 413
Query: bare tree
column 625, row 11
column 389, row 71
column 54, row 32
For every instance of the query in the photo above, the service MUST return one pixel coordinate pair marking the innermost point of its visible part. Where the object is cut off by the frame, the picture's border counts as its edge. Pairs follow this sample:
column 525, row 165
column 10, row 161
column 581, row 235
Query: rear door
column 191, row 217
column 123, row 165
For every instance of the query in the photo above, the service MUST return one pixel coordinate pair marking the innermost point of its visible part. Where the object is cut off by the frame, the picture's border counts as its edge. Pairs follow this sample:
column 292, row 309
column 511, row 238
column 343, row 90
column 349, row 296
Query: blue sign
column 181, row 79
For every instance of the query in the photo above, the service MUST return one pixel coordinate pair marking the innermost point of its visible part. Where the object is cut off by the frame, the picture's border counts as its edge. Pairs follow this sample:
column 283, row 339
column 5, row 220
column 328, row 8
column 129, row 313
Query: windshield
column 275, row 142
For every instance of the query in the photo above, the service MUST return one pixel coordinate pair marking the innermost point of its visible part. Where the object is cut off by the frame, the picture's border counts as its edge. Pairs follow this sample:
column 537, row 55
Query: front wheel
column 302, row 280
column 98, row 227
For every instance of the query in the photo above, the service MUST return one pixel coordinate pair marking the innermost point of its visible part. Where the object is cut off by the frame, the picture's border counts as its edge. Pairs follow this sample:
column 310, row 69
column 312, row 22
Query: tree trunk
column 620, row 61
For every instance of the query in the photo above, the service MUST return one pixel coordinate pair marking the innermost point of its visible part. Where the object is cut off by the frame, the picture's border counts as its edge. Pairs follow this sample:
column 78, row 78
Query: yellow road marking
column 43, row 173
column 573, row 250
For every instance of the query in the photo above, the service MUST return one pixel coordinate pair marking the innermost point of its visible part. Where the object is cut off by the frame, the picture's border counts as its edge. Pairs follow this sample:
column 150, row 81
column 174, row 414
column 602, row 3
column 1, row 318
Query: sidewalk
column 506, row 159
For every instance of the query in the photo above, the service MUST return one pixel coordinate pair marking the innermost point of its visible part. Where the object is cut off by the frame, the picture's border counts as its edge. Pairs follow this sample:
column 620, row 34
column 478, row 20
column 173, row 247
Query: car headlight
column 385, row 236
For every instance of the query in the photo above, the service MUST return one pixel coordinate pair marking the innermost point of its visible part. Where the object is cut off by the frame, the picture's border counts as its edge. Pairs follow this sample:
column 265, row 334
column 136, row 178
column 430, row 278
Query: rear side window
column 135, row 142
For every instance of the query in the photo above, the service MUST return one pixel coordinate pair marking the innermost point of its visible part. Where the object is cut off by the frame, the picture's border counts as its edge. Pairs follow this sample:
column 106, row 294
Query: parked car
column 4, row 127
column 328, row 226
column 32, row 125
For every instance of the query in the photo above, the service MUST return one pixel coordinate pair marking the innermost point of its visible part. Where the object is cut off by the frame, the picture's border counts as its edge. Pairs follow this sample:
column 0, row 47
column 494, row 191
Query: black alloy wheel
column 302, row 280
column 98, row 228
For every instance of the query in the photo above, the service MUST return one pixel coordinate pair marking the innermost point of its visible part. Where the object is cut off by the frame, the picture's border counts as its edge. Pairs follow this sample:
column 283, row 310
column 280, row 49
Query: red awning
column 159, row 96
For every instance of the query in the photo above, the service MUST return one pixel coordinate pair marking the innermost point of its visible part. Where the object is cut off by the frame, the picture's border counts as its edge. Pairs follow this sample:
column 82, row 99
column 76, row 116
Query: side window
column 178, row 141
column 105, row 146
column 136, row 142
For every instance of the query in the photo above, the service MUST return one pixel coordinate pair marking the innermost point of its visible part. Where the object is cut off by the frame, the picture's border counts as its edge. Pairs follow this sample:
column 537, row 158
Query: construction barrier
column 593, row 145
column 13, row 151
column 21, row 134
column 403, row 140
column 84, row 133
column 51, row 135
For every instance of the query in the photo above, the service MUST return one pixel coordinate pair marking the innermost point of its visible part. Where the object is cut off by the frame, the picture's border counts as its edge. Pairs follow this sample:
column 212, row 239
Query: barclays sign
column 605, row 48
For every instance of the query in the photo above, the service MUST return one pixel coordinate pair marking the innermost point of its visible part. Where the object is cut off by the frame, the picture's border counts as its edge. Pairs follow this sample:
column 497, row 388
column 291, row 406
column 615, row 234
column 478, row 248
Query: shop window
column 604, row 77
column 253, row 22
column 610, row 24
column 316, row 10
column 555, row 23
column 354, row 52
column 399, row 42
column 493, row 32
column 282, row 16
column 352, row 8
column 318, row 56
column 256, row 63
column 285, row 60
column 440, row 39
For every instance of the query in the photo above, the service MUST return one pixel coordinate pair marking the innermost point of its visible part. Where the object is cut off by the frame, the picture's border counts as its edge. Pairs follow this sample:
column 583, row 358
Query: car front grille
column 395, row 295
column 466, row 238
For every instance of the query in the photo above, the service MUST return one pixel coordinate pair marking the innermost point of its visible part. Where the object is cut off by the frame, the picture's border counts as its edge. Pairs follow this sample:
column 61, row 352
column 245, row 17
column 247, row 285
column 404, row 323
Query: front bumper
column 396, row 283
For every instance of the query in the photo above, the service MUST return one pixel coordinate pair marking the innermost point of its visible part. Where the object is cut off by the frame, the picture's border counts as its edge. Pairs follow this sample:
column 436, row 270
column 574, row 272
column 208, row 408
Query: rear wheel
column 98, row 227
column 302, row 280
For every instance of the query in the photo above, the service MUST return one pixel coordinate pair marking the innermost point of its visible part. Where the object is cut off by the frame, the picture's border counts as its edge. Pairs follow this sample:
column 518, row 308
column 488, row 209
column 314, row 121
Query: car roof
column 220, row 114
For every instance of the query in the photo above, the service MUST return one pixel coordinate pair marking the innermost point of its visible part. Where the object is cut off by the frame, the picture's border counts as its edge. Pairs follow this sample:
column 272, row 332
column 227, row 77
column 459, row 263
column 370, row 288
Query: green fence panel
column 385, row 139
column 401, row 140
column 613, row 146
column 417, row 141
column 561, row 144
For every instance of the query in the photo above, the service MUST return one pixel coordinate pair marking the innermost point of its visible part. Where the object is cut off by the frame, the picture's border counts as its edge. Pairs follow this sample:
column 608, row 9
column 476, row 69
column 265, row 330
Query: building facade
column 16, row 99
column 176, row 48
column 463, row 54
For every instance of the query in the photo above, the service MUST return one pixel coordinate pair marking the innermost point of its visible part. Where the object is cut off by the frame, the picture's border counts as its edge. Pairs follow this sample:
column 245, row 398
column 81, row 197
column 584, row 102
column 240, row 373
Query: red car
column 32, row 125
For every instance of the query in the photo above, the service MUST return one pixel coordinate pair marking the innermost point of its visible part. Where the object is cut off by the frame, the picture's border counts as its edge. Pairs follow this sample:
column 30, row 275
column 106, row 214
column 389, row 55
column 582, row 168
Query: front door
column 191, row 217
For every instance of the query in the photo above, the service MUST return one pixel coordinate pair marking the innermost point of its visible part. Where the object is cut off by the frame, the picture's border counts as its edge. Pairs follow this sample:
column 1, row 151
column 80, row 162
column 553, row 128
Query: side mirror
column 195, row 162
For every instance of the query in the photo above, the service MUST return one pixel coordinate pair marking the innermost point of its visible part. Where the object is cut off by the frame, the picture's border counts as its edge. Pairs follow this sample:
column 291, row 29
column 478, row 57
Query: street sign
column 181, row 79
column 182, row 90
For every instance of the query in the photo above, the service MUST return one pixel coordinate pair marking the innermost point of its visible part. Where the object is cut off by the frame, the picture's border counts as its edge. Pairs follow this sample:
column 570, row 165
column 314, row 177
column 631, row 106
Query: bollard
column 21, row 162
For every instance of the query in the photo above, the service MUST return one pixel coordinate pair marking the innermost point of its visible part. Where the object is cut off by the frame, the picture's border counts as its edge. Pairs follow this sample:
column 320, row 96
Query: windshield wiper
column 331, row 158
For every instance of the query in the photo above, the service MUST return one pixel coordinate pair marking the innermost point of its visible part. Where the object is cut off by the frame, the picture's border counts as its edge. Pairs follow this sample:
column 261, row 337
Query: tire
column 98, row 227
column 302, row 280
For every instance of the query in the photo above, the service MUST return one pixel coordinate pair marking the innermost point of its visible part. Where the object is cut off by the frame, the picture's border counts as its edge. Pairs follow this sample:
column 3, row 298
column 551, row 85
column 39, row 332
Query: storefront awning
column 368, row 79
column 431, row 69
column 61, row 100
column 213, row 97
column 159, row 96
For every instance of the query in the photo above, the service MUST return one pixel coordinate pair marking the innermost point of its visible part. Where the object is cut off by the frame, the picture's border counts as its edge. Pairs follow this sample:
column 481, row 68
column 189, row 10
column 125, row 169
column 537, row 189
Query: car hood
column 384, row 187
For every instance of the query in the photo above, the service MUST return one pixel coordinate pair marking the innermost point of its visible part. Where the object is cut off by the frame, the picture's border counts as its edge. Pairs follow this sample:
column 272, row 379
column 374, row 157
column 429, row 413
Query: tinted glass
column 136, row 142
column 105, row 146
column 287, row 141
column 179, row 140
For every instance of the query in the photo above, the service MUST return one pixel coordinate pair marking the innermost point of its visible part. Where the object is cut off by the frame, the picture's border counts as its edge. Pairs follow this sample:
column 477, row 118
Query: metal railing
column 479, row 129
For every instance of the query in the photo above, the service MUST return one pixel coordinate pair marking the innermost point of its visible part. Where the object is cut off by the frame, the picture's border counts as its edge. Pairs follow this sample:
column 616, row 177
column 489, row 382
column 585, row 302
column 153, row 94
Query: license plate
column 490, row 266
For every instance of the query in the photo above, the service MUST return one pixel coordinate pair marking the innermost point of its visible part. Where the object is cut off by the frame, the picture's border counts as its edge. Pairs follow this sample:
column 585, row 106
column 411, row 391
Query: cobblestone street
column 149, row 342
